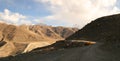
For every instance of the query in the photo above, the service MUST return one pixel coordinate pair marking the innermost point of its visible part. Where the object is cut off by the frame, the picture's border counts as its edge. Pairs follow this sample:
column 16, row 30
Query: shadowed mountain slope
column 53, row 32
column 99, row 29
column 105, row 31
column 21, row 39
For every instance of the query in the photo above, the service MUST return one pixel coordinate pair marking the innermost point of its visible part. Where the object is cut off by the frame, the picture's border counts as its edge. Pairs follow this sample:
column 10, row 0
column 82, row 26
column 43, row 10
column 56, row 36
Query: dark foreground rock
column 99, row 29
column 60, row 51
column 104, row 31
column 97, row 52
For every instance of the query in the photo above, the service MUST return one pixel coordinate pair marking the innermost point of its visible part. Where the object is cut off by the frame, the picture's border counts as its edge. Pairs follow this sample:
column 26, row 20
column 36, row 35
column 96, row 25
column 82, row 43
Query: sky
column 76, row 13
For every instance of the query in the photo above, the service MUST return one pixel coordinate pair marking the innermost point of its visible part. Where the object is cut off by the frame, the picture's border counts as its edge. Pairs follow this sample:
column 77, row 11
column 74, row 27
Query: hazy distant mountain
column 24, row 38
column 105, row 31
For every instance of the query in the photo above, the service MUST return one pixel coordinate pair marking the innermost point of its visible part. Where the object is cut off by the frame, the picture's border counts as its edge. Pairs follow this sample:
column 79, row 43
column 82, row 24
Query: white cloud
column 15, row 18
column 79, row 11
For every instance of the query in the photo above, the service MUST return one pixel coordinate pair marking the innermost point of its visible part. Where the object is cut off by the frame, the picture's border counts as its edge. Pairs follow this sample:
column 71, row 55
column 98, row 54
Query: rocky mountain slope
column 104, row 31
column 52, row 32
column 99, row 29
column 21, row 39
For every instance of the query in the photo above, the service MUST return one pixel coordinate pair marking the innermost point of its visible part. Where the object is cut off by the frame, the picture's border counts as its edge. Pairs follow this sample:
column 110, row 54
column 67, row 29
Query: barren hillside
column 24, row 38
column 105, row 31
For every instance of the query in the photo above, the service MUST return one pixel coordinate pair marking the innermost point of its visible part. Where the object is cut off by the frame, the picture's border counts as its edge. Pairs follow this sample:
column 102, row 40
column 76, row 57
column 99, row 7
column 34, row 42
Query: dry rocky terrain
column 104, row 32
column 103, row 36
column 16, row 39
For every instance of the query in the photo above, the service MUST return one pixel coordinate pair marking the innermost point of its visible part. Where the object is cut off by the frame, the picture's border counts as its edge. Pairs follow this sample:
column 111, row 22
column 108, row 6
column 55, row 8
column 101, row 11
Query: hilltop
column 99, row 30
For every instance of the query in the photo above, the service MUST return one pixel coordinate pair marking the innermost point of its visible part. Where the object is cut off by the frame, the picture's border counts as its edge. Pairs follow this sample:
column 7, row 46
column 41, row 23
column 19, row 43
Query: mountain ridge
column 104, row 31
column 30, row 36
column 98, row 29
